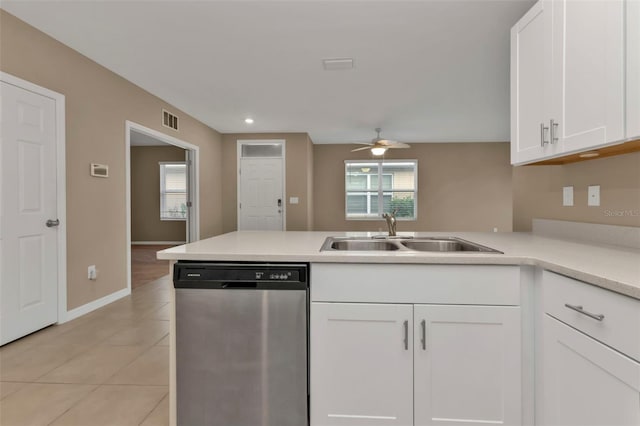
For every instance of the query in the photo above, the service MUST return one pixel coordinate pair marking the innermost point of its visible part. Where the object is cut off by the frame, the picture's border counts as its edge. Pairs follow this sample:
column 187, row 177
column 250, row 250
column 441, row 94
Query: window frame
column 381, row 191
column 164, row 191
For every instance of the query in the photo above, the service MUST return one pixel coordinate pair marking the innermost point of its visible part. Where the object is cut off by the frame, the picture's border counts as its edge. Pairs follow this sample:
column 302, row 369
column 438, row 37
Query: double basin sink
column 422, row 244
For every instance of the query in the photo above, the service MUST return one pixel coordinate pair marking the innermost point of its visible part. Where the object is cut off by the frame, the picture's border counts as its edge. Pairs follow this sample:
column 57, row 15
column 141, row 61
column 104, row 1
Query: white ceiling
column 424, row 71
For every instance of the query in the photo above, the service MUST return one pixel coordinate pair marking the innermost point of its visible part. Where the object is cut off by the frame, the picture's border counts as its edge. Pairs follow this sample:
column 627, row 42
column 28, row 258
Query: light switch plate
column 593, row 196
column 293, row 200
column 567, row 196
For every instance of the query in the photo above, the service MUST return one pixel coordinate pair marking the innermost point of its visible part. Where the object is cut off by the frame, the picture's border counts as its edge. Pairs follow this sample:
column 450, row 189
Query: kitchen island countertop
column 611, row 267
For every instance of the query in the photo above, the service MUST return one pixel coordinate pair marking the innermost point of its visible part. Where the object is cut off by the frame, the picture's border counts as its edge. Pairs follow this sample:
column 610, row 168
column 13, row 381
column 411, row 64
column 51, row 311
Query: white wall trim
column 195, row 223
column 282, row 142
column 156, row 243
column 61, row 183
column 96, row 304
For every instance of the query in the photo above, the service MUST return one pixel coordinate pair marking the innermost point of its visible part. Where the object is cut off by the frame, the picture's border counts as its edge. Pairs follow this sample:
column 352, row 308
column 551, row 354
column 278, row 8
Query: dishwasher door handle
column 232, row 285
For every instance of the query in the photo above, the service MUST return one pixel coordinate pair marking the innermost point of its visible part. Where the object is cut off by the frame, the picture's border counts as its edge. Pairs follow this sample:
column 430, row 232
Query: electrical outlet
column 593, row 195
column 92, row 272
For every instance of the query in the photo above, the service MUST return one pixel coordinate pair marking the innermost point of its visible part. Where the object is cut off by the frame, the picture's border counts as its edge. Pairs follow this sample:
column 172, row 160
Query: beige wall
column 537, row 192
column 461, row 187
column 97, row 104
column 145, row 195
column 298, row 172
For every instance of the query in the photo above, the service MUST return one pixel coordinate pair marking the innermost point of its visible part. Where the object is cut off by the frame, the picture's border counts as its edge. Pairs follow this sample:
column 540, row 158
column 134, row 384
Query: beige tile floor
column 109, row 367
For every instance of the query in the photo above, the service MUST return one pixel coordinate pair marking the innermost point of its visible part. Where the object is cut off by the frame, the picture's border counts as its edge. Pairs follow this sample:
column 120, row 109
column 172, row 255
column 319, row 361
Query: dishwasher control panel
column 185, row 274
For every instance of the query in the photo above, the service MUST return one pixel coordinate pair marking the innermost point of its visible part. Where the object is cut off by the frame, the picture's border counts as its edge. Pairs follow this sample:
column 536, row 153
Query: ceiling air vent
column 169, row 120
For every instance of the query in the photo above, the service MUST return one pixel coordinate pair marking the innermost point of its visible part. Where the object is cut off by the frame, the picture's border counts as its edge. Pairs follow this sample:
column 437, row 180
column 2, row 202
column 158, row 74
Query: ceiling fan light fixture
column 378, row 150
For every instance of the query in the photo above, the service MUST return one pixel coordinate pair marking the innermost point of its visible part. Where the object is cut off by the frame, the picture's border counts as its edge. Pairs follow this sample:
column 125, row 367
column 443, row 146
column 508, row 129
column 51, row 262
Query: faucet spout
column 391, row 222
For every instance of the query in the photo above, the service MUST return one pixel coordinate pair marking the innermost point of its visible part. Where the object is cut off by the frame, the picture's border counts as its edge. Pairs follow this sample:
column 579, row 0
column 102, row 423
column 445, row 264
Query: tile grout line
column 73, row 405
column 153, row 409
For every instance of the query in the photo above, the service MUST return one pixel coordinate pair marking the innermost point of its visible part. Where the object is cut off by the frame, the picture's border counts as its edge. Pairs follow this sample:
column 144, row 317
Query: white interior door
column 28, row 247
column 260, row 194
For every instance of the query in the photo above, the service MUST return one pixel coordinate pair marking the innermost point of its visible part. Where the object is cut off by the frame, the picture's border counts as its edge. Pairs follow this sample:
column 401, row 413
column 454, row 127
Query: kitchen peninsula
column 413, row 338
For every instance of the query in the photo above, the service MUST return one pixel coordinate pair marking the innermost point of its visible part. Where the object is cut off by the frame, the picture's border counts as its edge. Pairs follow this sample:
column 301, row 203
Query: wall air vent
column 169, row 120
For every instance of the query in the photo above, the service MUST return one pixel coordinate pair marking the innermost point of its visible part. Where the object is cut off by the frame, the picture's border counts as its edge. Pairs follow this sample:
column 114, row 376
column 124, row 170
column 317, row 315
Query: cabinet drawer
column 620, row 326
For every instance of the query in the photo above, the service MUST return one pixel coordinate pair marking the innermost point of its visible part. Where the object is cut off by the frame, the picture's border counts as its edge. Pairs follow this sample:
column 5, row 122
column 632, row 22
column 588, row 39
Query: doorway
column 162, row 199
column 261, row 185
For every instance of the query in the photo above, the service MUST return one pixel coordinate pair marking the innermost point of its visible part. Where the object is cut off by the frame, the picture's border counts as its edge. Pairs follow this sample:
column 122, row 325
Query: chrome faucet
column 391, row 222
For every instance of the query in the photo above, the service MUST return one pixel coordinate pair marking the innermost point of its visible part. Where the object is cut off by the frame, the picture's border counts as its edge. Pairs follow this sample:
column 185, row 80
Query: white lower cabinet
column 591, row 355
column 467, row 365
column 587, row 383
column 405, row 364
column 361, row 364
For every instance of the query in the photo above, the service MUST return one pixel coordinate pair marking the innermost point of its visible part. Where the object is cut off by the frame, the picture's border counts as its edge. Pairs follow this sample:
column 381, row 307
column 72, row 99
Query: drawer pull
column 578, row 308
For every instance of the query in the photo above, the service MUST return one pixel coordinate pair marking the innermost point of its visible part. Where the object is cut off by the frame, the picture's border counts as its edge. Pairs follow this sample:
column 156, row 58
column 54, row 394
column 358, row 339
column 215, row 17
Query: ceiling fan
column 379, row 146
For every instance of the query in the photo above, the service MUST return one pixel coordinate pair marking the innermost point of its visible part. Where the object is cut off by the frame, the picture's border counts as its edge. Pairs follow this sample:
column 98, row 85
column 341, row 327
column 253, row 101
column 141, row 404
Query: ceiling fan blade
column 361, row 149
column 399, row 145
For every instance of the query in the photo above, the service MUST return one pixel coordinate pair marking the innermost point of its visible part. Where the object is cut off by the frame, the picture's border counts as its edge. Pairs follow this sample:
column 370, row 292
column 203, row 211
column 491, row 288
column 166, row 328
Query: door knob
column 52, row 223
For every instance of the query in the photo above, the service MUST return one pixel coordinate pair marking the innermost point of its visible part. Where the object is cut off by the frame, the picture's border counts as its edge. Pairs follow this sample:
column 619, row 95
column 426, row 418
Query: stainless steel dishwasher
column 241, row 344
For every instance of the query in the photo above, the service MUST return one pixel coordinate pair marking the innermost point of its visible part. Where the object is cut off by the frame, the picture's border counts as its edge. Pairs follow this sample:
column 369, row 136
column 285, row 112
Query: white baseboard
column 92, row 306
column 156, row 243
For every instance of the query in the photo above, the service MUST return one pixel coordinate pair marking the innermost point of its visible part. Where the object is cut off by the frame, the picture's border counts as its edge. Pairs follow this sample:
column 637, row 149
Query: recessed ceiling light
column 589, row 154
column 337, row 64
column 248, row 120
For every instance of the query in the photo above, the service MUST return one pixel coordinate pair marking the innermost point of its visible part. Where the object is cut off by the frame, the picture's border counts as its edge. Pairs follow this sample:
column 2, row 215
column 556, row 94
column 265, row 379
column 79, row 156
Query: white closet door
column 28, row 247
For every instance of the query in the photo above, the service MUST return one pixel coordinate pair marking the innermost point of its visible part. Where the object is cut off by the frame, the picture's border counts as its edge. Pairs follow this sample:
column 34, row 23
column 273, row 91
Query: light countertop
column 615, row 268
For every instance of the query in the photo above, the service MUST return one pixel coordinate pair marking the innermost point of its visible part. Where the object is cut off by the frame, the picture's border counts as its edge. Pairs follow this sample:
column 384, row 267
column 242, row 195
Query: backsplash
column 537, row 192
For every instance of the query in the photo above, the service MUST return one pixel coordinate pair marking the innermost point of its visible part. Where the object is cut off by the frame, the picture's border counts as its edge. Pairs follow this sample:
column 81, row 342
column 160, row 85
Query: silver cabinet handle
column 51, row 223
column 423, row 339
column 543, row 133
column 406, row 335
column 578, row 308
column 554, row 131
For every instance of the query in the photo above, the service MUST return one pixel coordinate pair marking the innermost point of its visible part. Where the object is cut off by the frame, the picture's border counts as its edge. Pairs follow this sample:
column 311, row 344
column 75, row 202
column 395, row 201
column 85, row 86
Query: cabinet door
column 467, row 365
column 586, row 383
column 361, row 364
column 588, row 73
column 530, row 76
column 633, row 69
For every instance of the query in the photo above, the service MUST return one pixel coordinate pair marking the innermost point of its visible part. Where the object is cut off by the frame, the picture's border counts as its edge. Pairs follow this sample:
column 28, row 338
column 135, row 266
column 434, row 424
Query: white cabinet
column 467, row 365
column 591, row 361
column 567, row 78
column 361, row 364
column 633, row 69
column 586, row 382
column 378, row 364
column 531, row 85
column 587, row 73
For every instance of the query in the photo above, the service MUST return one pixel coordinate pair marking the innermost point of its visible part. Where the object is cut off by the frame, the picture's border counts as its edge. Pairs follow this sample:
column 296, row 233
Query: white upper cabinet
column 568, row 78
column 633, row 69
column 530, row 80
column 588, row 73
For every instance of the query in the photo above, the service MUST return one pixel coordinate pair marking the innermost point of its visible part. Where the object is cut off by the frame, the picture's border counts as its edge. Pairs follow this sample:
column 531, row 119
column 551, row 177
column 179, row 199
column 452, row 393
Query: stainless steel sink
column 446, row 244
column 363, row 245
column 431, row 244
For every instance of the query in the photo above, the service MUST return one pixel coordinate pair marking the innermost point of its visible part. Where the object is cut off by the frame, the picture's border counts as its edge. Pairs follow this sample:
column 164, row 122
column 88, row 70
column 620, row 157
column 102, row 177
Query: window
column 173, row 191
column 376, row 187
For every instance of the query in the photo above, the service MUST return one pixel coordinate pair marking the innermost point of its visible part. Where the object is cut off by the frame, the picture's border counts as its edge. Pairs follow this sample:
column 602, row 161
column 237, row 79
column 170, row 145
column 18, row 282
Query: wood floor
column 144, row 265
